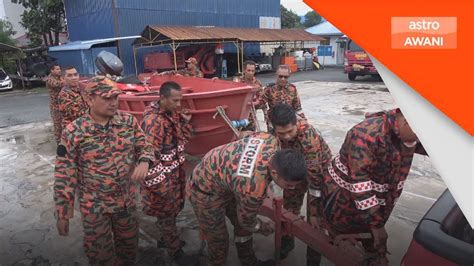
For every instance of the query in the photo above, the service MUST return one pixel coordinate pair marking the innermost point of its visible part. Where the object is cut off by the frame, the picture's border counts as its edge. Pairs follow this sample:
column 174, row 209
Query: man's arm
column 54, row 83
column 67, row 106
column 153, row 133
column 247, row 210
column 317, row 155
column 297, row 104
column 187, row 128
column 143, row 148
column 200, row 74
column 360, row 161
column 65, row 173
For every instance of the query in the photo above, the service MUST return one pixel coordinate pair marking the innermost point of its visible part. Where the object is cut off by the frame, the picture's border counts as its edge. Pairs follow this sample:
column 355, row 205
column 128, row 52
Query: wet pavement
column 27, row 226
column 32, row 105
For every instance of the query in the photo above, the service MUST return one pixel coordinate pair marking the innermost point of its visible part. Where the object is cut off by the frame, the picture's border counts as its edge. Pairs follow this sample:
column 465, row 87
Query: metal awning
column 85, row 45
column 158, row 35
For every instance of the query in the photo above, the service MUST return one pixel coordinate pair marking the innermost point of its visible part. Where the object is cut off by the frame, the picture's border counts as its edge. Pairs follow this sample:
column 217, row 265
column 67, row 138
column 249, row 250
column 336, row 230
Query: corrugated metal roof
column 324, row 29
column 85, row 45
column 156, row 34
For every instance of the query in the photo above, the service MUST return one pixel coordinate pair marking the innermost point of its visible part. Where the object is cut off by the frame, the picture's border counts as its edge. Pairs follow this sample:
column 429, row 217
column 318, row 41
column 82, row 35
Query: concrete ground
column 27, row 227
column 21, row 107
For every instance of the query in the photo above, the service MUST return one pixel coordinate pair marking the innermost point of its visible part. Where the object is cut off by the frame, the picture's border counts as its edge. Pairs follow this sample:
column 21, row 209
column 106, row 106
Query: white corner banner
column 450, row 148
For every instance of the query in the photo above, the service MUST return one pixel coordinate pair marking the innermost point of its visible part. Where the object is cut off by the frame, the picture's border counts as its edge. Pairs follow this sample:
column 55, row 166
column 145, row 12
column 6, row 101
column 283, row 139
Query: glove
column 266, row 228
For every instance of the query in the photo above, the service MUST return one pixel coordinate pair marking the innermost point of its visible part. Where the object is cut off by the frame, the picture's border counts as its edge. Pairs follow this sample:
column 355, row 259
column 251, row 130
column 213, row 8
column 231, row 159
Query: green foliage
column 289, row 19
column 312, row 18
column 43, row 20
column 6, row 32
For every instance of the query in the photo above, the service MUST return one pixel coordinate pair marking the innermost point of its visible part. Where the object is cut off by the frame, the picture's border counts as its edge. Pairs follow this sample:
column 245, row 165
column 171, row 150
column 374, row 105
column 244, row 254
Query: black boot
column 182, row 259
column 247, row 255
column 287, row 245
column 161, row 244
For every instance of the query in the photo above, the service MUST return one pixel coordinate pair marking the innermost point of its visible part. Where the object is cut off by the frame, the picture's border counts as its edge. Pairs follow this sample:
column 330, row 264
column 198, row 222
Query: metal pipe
column 342, row 254
column 238, row 56
column 135, row 60
column 277, row 207
column 174, row 56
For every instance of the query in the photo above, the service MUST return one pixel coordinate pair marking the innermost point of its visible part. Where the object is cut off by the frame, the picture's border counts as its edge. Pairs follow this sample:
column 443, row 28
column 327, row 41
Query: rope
column 221, row 112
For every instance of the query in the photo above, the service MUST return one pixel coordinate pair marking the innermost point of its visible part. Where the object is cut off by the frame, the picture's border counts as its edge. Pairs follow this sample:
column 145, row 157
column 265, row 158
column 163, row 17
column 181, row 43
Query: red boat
column 202, row 97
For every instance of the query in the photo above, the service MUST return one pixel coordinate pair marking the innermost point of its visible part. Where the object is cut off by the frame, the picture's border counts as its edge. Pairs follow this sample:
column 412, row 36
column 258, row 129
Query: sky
column 297, row 6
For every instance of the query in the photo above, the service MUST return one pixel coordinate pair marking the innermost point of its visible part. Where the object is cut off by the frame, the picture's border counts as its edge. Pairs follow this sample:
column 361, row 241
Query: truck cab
column 357, row 62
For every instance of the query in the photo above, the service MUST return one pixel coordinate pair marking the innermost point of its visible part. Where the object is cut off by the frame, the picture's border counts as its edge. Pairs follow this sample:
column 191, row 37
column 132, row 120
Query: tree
column 311, row 18
column 43, row 20
column 289, row 19
column 6, row 32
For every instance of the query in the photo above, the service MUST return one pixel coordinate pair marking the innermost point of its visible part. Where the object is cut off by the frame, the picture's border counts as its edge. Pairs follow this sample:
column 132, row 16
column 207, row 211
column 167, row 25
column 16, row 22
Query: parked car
column 5, row 81
column 443, row 237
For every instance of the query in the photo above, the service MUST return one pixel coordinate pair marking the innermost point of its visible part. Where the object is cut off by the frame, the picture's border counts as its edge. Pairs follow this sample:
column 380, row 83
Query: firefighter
column 55, row 83
column 363, row 181
column 301, row 136
column 71, row 101
column 249, row 78
column 192, row 69
column 167, row 128
column 100, row 155
column 232, row 180
column 282, row 91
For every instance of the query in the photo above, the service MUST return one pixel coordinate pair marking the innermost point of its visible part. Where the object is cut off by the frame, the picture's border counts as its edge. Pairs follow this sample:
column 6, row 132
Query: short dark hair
column 165, row 89
column 68, row 68
column 54, row 66
column 282, row 115
column 249, row 62
column 290, row 164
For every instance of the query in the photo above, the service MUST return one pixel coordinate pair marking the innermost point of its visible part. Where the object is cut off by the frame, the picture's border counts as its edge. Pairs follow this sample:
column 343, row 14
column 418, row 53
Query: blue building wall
column 89, row 19
column 94, row 19
column 82, row 60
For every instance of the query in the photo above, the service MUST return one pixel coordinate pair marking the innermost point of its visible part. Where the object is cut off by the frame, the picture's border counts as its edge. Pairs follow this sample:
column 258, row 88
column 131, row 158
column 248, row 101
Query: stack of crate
column 290, row 61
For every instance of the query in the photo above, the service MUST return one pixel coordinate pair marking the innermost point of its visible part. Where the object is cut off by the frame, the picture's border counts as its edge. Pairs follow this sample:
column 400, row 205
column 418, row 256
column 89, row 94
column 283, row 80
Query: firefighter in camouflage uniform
column 281, row 92
column 71, row 102
column 363, row 181
column 232, row 180
column 55, row 83
column 192, row 69
column 250, row 79
column 100, row 155
column 167, row 128
column 301, row 136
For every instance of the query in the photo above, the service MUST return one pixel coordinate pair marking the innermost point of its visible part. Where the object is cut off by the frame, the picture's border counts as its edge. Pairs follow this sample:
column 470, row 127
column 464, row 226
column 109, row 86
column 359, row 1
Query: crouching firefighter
column 232, row 180
column 363, row 182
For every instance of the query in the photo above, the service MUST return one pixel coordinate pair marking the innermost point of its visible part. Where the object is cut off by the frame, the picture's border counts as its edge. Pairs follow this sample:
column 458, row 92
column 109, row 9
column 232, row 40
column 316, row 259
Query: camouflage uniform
column 274, row 94
column 232, row 180
column 71, row 105
column 187, row 73
column 54, row 85
column 258, row 94
column 97, row 161
column 317, row 154
column 163, row 196
column 363, row 181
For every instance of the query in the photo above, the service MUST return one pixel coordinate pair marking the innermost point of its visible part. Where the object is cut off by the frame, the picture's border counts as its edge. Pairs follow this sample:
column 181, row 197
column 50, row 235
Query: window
column 324, row 42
